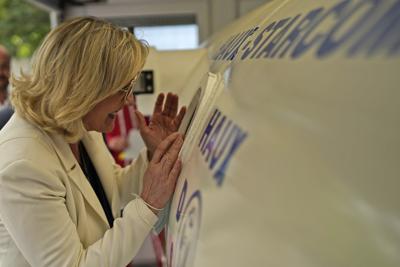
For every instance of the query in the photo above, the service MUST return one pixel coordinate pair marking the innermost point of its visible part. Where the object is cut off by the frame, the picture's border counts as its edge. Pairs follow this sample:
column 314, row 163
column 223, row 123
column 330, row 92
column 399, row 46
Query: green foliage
column 22, row 27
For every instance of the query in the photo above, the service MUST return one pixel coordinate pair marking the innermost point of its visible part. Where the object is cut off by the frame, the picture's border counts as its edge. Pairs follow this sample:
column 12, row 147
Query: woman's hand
column 164, row 121
column 160, row 177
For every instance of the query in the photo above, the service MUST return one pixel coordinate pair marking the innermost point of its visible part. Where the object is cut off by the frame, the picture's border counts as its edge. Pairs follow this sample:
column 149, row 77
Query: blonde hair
column 80, row 63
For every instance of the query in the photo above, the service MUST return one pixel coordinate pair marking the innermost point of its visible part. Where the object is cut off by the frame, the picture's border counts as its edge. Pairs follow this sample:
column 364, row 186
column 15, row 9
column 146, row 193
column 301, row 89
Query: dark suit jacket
column 5, row 114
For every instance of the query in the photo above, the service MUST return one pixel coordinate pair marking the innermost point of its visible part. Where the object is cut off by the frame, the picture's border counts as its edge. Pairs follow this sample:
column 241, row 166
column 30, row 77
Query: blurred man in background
column 4, row 75
column 5, row 107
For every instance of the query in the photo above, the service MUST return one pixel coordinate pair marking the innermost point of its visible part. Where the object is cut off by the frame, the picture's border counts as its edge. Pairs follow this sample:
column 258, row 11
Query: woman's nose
column 130, row 100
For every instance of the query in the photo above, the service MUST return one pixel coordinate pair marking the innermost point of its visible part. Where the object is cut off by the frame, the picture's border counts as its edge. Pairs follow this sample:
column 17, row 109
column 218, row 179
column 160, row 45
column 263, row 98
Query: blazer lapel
column 98, row 153
column 77, row 176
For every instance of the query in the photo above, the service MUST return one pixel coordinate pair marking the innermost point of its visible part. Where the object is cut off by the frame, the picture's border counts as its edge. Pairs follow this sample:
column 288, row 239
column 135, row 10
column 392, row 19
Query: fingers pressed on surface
column 168, row 105
column 163, row 147
column 175, row 170
column 172, row 153
column 174, row 107
column 159, row 103
column 141, row 120
column 180, row 116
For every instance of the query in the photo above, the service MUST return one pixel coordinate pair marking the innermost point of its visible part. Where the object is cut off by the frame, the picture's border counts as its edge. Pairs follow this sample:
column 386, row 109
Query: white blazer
column 49, row 213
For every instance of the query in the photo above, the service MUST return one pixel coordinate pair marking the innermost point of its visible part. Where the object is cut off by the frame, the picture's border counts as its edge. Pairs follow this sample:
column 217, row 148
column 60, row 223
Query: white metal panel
column 314, row 180
column 245, row 6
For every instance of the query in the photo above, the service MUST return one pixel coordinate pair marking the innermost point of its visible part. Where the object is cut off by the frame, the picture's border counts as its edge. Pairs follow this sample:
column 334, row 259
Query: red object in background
column 159, row 247
column 124, row 123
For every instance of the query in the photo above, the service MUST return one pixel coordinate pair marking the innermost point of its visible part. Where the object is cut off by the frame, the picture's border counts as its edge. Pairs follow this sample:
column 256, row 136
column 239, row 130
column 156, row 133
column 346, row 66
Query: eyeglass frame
column 128, row 90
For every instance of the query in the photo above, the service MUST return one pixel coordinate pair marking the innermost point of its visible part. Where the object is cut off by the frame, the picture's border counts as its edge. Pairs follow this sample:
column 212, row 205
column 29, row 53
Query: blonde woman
column 61, row 196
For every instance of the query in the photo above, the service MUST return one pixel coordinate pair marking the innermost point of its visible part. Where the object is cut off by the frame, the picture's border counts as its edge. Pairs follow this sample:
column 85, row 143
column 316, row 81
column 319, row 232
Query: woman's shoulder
column 21, row 140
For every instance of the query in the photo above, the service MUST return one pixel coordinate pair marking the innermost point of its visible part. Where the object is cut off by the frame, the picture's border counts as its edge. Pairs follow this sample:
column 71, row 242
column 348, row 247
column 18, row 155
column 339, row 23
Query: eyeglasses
column 128, row 90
